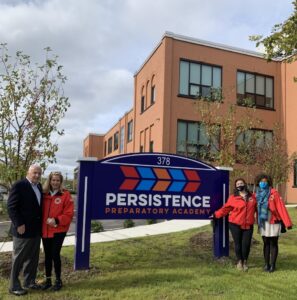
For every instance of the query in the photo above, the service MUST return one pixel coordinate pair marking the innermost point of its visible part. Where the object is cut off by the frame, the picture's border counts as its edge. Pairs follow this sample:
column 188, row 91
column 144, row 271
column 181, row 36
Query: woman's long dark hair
column 236, row 191
column 263, row 176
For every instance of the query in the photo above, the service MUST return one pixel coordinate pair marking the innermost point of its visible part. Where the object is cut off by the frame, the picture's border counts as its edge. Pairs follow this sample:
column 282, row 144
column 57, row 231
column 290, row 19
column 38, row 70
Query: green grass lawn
column 174, row 266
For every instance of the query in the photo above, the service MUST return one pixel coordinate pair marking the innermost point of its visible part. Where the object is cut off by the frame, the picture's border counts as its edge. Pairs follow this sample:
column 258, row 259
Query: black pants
column 270, row 249
column 52, row 248
column 242, row 240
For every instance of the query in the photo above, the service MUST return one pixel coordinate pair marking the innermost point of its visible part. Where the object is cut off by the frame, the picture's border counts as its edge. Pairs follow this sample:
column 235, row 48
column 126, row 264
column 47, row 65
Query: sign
column 148, row 186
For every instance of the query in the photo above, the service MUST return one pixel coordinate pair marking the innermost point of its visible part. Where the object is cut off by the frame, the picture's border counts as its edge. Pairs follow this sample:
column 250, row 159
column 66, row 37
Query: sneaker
column 46, row 284
column 18, row 292
column 57, row 286
column 239, row 265
column 245, row 266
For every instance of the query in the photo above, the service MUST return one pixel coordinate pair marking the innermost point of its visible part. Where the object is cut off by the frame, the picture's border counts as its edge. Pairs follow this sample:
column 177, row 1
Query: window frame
column 116, row 141
column 130, row 131
column 295, row 174
column 254, row 95
column 198, row 145
column 200, row 85
column 109, row 145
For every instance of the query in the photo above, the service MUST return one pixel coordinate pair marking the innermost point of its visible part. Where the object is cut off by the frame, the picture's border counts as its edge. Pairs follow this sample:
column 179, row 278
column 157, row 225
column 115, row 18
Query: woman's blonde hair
column 47, row 184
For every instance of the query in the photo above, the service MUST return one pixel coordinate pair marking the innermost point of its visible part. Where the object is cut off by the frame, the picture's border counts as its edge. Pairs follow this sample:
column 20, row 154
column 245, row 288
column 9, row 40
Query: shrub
column 96, row 226
column 129, row 223
column 151, row 221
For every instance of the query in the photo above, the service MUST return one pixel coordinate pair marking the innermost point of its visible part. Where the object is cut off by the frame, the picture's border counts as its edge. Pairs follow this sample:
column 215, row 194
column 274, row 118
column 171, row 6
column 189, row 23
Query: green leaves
column 32, row 103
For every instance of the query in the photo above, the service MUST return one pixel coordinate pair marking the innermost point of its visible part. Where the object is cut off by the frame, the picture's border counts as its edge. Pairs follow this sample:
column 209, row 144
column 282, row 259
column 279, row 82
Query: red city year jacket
column 278, row 209
column 59, row 206
column 240, row 212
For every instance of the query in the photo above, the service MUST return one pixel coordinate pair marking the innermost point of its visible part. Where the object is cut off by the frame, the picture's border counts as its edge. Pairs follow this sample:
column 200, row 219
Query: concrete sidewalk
column 128, row 233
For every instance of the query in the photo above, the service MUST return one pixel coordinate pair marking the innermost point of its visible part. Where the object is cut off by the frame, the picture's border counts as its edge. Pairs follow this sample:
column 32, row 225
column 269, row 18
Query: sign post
column 148, row 186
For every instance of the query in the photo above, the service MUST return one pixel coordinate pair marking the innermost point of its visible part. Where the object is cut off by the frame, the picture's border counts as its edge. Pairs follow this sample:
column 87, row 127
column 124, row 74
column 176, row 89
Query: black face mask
column 240, row 188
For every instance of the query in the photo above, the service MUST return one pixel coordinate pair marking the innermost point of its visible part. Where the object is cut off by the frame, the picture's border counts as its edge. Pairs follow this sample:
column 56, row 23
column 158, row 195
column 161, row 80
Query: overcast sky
column 101, row 43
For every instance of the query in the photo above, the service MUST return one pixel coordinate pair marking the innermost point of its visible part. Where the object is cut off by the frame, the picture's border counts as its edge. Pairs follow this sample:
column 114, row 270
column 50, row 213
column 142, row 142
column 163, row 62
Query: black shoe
column 57, row 286
column 266, row 268
column 19, row 292
column 32, row 286
column 272, row 268
column 47, row 284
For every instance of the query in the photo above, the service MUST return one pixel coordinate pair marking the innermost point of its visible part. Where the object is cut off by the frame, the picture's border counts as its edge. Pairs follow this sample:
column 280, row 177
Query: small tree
column 222, row 127
column 32, row 103
column 274, row 159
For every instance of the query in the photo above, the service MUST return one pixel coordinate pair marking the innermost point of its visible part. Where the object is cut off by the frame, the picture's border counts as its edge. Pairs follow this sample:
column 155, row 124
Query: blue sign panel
column 148, row 186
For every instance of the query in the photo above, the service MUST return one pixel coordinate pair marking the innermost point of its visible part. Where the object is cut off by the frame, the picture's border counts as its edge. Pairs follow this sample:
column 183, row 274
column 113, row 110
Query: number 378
column 163, row 160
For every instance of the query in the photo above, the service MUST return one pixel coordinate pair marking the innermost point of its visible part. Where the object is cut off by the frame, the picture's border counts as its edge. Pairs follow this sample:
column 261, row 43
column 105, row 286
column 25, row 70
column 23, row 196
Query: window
column 109, row 145
column 105, row 148
column 130, row 129
column 142, row 104
column 153, row 95
column 200, row 80
column 141, row 149
column 250, row 143
column 254, row 89
column 295, row 174
column 116, row 141
column 151, row 146
column 192, row 141
column 122, row 139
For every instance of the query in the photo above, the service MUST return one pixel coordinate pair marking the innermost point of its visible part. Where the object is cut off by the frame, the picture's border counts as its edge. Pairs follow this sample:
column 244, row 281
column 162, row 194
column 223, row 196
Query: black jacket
column 23, row 208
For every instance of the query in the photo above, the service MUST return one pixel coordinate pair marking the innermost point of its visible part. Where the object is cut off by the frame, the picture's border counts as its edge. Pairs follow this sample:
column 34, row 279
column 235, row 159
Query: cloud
column 102, row 43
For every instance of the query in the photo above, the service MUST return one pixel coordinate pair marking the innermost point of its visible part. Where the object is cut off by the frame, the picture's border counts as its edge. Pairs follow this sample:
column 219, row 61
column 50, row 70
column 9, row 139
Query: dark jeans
column 242, row 240
column 52, row 248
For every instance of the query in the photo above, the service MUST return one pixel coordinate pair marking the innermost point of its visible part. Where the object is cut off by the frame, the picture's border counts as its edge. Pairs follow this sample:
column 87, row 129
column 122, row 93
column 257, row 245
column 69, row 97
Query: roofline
column 115, row 124
column 191, row 40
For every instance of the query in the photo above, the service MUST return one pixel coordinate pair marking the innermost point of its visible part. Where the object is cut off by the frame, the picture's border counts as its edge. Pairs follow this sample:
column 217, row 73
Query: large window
column 295, row 174
column 130, row 131
column 116, row 141
column 198, row 80
column 192, row 141
column 254, row 89
column 122, row 139
column 251, row 143
column 109, row 145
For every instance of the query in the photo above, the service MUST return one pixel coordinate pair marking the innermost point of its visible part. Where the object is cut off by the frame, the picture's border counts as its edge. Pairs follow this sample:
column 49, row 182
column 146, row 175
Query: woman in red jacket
column 57, row 213
column 271, row 214
column 241, row 208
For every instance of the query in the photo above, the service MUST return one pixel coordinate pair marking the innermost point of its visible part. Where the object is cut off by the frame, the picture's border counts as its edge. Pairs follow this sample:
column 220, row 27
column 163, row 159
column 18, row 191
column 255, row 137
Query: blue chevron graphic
column 146, row 172
column 176, row 186
column 145, row 185
column 177, row 174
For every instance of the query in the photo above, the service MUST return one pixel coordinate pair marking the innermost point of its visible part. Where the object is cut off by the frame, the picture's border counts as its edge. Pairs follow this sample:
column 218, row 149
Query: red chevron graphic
column 192, row 175
column 129, row 172
column 191, row 187
column 129, row 184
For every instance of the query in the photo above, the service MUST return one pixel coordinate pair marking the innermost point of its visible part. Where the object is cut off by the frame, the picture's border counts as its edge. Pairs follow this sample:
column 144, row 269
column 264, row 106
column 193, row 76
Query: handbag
column 283, row 227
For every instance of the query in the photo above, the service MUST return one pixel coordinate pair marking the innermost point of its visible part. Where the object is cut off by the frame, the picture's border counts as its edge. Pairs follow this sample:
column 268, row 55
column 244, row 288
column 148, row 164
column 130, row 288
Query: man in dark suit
column 25, row 211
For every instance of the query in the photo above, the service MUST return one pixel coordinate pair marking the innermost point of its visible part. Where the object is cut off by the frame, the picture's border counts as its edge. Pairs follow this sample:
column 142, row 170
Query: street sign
column 148, row 186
